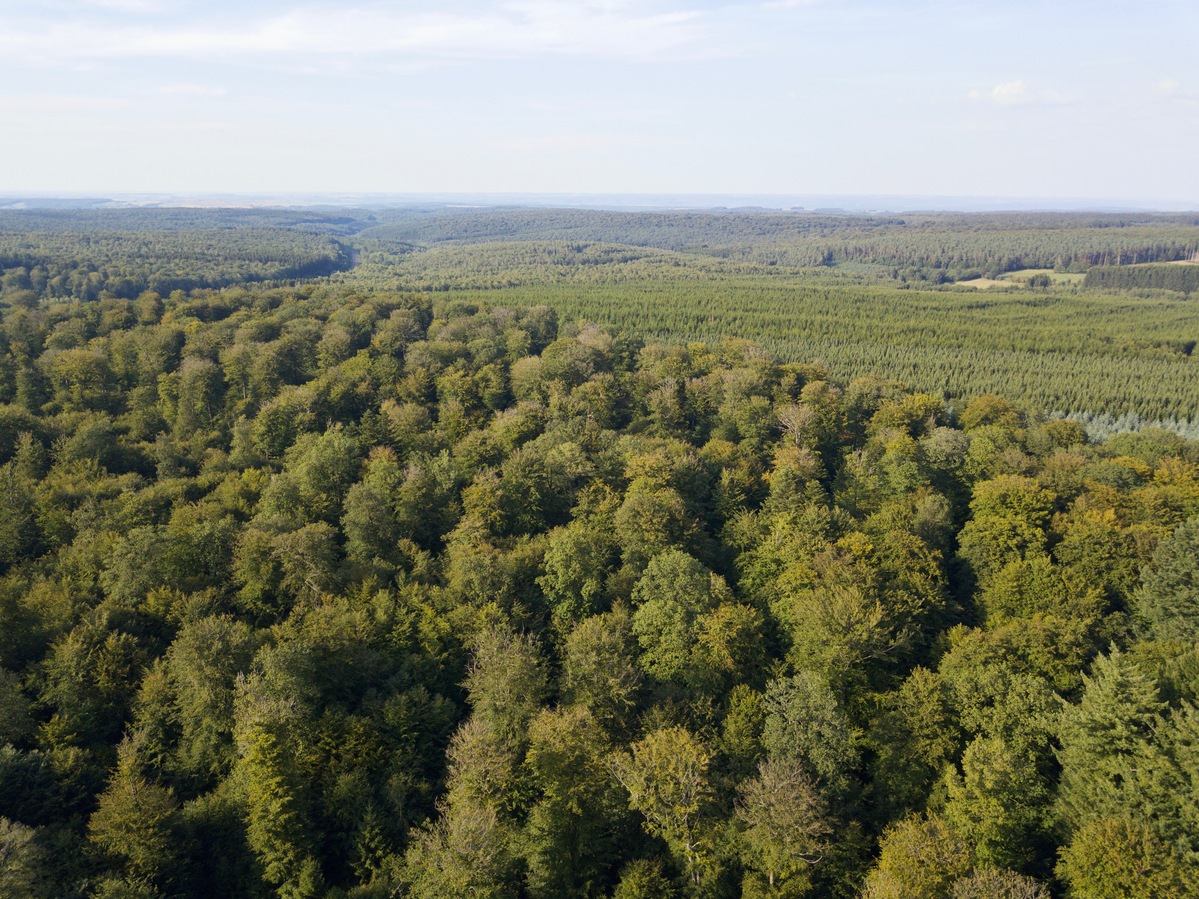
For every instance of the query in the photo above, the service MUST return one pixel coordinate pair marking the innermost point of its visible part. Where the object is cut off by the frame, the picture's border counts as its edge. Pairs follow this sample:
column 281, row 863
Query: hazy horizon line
column 610, row 200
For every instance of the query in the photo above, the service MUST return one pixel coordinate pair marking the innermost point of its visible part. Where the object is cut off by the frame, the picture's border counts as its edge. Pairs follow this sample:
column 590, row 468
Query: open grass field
column 985, row 283
column 1022, row 276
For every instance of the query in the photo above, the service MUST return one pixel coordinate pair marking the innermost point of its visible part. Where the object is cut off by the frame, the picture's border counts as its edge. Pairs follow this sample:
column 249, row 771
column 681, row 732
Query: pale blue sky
column 1049, row 99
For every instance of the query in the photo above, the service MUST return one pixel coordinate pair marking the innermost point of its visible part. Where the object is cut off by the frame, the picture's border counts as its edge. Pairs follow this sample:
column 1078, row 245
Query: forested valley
column 505, row 566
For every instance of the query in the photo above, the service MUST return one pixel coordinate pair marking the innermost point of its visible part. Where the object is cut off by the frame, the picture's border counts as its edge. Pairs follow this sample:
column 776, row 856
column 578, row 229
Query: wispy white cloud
column 127, row 6
column 40, row 102
column 1020, row 93
column 573, row 143
column 513, row 29
column 1011, row 93
column 185, row 89
column 1176, row 94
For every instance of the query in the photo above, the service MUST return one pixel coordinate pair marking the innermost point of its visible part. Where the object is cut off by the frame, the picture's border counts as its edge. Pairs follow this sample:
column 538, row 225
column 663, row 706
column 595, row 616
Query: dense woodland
column 942, row 246
column 123, row 253
column 1179, row 278
column 1088, row 352
column 329, row 589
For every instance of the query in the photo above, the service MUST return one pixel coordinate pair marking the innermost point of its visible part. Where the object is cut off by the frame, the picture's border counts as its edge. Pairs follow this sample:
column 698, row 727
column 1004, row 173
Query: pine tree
column 1105, row 738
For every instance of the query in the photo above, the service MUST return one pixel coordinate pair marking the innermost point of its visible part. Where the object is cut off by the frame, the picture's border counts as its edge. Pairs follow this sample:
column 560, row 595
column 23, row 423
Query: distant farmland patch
column 1025, row 278
column 985, row 283
column 1057, row 279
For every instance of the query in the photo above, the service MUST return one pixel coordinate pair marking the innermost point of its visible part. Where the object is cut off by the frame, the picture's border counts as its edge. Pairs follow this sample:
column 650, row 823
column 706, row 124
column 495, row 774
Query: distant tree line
column 923, row 247
column 84, row 254
column 1179, row 278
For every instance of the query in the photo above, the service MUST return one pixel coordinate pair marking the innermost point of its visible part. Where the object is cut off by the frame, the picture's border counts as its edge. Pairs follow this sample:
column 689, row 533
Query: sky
column 1088, row 99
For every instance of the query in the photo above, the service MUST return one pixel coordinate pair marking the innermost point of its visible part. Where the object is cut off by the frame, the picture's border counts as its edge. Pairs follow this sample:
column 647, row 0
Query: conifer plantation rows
column 893, row 296
column 888, row 295
column 1082, row 353
column 1179, row 278
column 328, row 591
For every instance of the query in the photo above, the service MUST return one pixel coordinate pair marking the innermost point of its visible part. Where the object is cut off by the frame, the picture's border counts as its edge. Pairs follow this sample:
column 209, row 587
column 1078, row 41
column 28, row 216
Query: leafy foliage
column 320, row 590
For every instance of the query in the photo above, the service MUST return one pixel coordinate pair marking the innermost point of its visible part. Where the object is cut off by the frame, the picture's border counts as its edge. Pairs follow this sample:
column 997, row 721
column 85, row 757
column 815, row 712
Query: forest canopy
column 322, row 590
column 436, row 553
